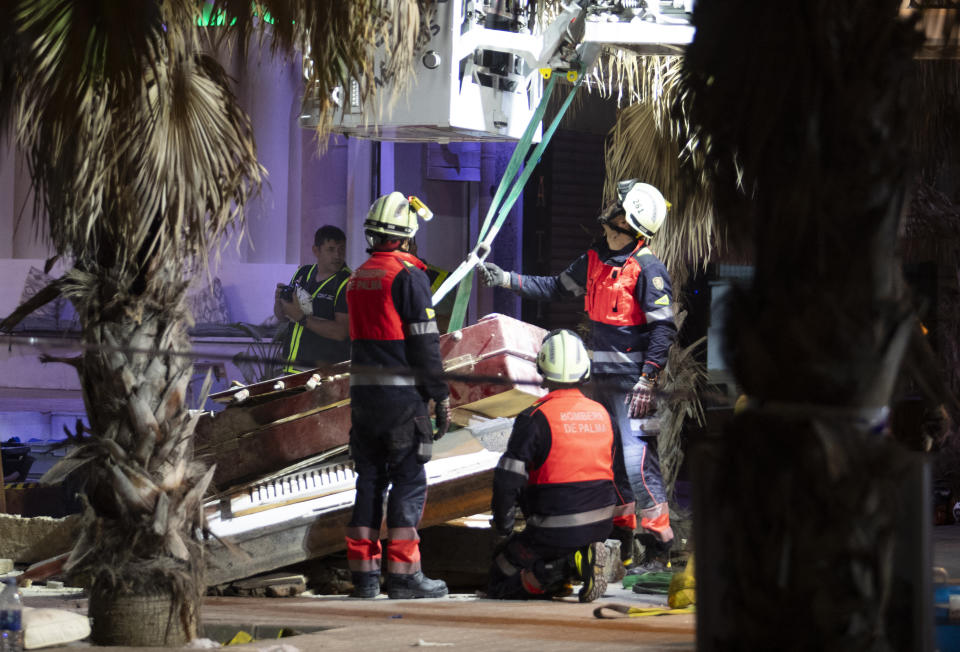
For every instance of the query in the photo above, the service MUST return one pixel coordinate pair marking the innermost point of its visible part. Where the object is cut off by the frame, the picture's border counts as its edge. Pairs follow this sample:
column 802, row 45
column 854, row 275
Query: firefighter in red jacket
column 393, row 327
column 565, row 471
column 628, row 299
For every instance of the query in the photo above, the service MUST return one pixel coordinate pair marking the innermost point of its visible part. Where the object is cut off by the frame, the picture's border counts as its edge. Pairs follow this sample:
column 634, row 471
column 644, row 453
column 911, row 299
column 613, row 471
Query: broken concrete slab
column 272, row 585
column 27, row 540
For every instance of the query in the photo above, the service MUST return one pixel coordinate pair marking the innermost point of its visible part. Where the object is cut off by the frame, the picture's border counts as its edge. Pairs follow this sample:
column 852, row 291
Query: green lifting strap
column 464, row 270
column 488, row 232
column 519, row 153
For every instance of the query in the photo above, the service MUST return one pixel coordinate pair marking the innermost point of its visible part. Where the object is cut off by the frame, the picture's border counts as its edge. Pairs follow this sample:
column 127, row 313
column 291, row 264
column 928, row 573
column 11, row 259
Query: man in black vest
column 314, row 305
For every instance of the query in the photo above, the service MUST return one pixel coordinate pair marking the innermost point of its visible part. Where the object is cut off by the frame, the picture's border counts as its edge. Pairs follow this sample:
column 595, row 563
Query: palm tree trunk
column 139, row 549
column 798, row 543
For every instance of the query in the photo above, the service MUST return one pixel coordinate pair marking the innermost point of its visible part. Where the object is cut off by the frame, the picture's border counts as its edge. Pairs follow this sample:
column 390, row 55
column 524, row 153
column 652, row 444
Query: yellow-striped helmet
column 394, row 216
column 563, row 358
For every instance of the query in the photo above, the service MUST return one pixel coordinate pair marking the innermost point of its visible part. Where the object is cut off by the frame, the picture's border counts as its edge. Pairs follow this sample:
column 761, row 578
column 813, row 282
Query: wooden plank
column 271, row 429
column 274, row 585
column 291, row 382
column 275, row 446
column 215, row 428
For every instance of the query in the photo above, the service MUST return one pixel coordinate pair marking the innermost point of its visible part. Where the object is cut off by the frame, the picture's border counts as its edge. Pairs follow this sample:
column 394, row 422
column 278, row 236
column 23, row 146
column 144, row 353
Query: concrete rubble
column 29, row 540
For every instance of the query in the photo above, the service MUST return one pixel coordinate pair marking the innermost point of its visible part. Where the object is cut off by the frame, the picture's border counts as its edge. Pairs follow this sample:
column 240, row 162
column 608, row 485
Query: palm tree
column 805, row 132
column 141, row 161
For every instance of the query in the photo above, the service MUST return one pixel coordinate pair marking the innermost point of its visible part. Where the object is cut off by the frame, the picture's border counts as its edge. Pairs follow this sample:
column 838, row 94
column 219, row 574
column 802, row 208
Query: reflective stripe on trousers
column 363, row 549
column 403, row 551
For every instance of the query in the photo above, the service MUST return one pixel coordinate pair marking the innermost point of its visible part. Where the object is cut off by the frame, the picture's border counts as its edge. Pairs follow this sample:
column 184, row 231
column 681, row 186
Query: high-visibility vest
column 372, row 313
column 610, row 297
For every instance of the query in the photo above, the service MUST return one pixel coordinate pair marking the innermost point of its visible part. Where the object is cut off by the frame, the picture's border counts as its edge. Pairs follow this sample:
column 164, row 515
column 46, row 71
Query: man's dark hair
column 328, row 232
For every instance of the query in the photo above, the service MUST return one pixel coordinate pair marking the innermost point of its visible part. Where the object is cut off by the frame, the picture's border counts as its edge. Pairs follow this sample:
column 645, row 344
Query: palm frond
column 41, row 298
column 682, row 380
column 649, row 141
column 199, row 165
column 155, row 159
column 340, row 38
column 8, row 55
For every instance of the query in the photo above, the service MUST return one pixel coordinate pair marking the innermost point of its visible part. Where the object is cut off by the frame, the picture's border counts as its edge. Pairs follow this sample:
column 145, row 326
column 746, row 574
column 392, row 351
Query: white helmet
column 395, row 216
column 563, row 358
column 645, row 207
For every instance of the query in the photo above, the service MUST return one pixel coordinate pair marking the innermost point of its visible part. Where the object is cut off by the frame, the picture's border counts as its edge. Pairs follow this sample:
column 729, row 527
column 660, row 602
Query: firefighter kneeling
column 564, row 468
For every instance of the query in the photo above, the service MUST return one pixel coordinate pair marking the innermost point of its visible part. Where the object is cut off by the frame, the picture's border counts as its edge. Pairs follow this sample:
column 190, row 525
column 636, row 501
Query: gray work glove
column 640, row 398
column 441, row 415
column 493, row 276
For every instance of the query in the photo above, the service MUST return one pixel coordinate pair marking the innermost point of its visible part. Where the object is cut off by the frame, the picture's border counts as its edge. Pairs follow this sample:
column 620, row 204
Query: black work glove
column 493, row 277
column 441, row 415
column 640, row 398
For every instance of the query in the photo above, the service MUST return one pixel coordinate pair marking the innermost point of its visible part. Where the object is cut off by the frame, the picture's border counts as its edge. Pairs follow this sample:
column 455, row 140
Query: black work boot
column 365, row 585
column 589, row 563
column 655, row 557
column 415, row 585
column 554, row 577
column 650, row 565
column 617, row 567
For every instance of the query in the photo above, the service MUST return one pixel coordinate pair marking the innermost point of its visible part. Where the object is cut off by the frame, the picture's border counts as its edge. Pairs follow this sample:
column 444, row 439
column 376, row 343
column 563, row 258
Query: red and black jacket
column 563, row 468
column 628, row 297
column 393, row 326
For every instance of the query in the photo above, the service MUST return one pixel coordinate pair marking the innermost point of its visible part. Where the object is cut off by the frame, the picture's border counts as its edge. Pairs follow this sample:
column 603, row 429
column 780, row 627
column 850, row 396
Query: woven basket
column 135, row 620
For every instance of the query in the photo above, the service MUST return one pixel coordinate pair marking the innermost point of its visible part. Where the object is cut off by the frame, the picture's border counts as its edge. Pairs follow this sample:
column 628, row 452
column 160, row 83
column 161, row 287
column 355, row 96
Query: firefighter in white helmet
column 628, row 298
column 393, row 327
column 564, row 468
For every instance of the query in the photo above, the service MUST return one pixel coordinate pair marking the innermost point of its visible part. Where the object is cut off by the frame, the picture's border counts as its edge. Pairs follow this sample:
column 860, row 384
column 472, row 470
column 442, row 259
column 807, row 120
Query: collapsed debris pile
column 284, row 479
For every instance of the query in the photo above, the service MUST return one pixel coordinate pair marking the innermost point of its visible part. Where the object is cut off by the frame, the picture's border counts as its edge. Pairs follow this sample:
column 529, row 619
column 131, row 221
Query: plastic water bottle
column 11, row 617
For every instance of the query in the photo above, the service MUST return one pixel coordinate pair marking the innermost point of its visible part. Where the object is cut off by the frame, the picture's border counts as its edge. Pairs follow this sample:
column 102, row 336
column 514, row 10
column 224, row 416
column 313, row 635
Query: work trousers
column 383, row 445
column 640, row 456
column 524, row 570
